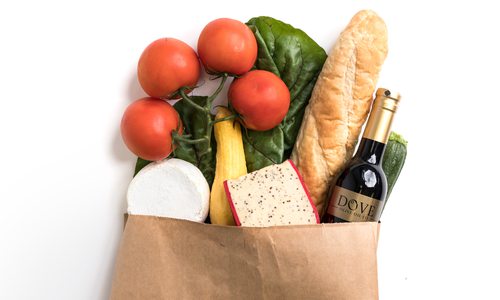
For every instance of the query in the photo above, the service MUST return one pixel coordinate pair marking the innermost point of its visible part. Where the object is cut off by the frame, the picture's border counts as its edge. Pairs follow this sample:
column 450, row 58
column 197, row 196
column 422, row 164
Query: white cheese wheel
column 170, row 188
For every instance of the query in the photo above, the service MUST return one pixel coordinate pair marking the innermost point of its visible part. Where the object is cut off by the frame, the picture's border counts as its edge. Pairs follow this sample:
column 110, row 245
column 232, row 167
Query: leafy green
column 297, row 59
column 198, row 124
column 141, row 163
column 263, row 148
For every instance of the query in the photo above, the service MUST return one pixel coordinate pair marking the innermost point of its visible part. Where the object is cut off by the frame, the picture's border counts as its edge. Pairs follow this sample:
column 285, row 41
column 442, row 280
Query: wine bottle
column 358, row 195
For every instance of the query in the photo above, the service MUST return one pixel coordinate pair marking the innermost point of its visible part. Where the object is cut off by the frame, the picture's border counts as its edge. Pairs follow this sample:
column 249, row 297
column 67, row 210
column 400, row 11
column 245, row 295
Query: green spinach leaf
column 198, row 124
column 292, row 55
column 141, row 163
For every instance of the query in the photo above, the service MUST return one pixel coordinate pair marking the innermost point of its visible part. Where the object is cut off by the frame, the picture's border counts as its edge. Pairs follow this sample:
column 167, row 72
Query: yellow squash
column 230, row 164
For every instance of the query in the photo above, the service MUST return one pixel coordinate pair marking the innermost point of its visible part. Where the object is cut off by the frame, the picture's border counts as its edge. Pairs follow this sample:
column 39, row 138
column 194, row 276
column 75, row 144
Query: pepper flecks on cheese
column 272, row 196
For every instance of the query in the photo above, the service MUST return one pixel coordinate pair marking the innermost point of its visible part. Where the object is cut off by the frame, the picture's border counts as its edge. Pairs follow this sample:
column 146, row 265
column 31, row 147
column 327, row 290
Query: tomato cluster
column 226, row 47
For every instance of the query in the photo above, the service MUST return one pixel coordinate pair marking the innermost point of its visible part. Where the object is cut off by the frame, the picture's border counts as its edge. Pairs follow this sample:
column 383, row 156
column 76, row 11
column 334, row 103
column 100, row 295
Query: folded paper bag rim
column 164, row 258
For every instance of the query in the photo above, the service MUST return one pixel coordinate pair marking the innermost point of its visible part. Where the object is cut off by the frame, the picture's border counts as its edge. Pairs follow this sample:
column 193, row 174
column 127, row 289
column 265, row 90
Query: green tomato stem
column 217, row 91
column 231, row 117
column 179, row 138
column 207, row 139
column 190, row 101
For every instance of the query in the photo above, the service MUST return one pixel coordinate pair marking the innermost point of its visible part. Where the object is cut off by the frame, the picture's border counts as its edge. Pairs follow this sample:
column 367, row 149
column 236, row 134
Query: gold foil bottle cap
column 389, row 94
column 379, row 122
column 387, row 99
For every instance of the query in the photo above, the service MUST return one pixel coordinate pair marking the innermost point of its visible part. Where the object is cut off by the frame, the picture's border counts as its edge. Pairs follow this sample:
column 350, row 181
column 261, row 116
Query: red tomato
column 165, row 66
column 227, row 45
column 261, row 98
column 147, row 126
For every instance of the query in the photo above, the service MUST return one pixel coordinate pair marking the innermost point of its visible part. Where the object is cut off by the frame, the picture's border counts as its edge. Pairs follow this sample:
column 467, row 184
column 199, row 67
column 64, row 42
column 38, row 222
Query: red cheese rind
column 231, row 204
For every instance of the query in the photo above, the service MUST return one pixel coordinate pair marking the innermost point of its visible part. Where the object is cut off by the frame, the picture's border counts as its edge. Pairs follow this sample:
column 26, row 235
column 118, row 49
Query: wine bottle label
column 354, row 207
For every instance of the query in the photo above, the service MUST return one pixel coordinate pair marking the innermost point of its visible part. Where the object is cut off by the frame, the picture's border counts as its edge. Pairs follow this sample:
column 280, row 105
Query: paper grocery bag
column 161, row 258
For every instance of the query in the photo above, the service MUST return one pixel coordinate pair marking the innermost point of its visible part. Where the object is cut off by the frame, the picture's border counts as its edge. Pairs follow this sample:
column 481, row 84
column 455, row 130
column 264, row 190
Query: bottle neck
column 370, row 151
column 378, row 126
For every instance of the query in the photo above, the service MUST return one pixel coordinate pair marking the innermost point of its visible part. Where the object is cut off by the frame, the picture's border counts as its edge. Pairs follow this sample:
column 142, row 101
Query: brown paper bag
column 161, row 258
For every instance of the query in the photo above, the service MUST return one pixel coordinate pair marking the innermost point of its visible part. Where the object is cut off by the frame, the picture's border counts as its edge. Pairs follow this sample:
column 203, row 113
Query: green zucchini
column 394, row 159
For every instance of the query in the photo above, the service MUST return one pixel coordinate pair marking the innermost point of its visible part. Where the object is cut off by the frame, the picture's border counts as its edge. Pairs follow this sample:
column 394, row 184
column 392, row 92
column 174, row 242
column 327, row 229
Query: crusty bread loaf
column 340, row 103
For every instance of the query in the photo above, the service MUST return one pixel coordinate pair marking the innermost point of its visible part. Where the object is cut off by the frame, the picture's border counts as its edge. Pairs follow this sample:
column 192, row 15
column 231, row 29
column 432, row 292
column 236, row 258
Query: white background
column 67, row 72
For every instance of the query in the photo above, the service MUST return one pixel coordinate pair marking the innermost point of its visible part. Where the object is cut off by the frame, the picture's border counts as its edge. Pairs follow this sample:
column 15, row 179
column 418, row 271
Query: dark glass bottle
column 359, row 193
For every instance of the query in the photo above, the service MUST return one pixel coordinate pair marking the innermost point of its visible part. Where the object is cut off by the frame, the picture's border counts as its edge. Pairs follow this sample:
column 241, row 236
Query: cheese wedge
column 272, row 196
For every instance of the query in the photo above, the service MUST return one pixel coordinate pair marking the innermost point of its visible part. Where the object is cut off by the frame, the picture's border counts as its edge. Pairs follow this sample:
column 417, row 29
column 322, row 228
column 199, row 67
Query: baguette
column 339, row 104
